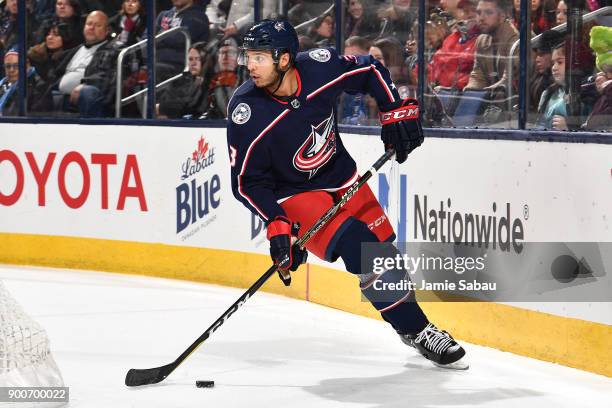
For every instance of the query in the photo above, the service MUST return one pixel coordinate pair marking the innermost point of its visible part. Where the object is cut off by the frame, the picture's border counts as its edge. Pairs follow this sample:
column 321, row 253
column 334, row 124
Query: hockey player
column 289, row 166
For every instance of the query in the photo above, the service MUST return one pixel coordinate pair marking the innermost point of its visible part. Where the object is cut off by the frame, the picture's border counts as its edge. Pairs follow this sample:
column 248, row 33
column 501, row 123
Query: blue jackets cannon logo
column 195, row 199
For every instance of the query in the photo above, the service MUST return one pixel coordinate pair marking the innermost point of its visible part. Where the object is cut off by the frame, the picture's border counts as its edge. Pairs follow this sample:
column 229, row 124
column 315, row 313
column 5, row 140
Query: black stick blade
column 136, row 377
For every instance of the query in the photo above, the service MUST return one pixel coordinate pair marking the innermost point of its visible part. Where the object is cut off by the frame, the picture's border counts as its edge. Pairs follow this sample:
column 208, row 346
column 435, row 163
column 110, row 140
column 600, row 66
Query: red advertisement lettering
column 10, row 199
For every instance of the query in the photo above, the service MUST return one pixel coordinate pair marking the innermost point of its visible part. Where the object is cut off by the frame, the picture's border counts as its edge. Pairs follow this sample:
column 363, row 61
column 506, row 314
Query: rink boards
column 157, row 201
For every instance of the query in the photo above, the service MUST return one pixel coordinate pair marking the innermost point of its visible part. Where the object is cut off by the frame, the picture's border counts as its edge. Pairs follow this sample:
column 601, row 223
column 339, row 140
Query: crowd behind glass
column 472, row 68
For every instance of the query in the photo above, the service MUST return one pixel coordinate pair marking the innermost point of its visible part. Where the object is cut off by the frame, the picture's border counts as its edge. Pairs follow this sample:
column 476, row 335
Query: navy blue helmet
column 277, row 36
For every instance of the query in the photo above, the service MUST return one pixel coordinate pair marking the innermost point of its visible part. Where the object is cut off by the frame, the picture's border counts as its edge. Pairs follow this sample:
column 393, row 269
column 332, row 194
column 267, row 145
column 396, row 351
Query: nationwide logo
column 194, row 199
column 317, row 149
column 442, row 224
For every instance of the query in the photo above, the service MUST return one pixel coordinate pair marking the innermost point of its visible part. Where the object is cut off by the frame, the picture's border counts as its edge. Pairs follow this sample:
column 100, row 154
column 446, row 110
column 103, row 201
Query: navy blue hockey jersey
column 279, row 149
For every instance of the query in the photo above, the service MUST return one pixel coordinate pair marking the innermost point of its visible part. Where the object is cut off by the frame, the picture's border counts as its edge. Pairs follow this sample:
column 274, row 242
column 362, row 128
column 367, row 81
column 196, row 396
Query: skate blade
column 460, row 365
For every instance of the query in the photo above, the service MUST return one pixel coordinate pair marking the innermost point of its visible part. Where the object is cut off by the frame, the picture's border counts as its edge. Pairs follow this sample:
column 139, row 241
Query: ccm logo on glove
column 403, row 113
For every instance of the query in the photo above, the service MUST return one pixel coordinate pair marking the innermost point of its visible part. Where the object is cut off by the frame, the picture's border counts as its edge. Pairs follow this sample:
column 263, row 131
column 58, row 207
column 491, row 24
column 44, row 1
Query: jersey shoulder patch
column 320, row 54
column 239, row 107
column 317, row 55
column 241, row 113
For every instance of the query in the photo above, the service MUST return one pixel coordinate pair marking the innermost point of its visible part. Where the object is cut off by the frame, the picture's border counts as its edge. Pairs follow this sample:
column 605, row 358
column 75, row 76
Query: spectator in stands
column 217, row 16
column 9, row 100
column 240, row 16
column 552, row 108
column 592, row 5
column 542, row 15
column 361, row 20
column 388, row 51
column 306, row 43
column 492, row 47
column 452, row 64
column 130, row 25
column 436, row 31
column 398, row 19
column 170, row 50
column 8, row 25
column 561, row 16
column 355, row 109
column 67, row 12
column 8, row 84
column 87, row 73
column 44, row 9
column 322, row 32
column 452, row 8
column 601, row 115
column 410, row 48
column 109, row 7
column 46, row 56
column 541, row 76
column 188, row 96
column 356, row 45
column 224, row 81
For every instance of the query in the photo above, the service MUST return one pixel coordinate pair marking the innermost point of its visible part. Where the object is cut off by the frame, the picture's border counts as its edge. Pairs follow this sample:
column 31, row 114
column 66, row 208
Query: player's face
column 261, row 68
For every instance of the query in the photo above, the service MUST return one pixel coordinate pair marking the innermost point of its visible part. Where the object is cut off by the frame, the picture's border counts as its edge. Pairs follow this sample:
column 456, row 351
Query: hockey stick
column 146, row 376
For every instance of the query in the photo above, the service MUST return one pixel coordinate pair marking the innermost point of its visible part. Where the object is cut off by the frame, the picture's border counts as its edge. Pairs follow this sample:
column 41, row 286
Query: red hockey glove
column 286, row 255
column 401, row 127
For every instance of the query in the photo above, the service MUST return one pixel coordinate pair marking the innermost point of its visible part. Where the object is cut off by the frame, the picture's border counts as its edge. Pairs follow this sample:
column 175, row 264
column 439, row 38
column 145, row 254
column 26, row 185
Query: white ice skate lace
column 435, row 340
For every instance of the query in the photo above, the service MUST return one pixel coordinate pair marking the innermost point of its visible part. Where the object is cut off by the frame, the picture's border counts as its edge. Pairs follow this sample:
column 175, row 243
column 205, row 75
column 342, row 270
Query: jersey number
column 233, row 152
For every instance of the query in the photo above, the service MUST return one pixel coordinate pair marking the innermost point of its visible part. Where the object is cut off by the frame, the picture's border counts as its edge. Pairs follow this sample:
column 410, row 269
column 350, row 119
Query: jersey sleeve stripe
column 334, row 81
column 354, row 72
column 384, row 84
column 246, row 159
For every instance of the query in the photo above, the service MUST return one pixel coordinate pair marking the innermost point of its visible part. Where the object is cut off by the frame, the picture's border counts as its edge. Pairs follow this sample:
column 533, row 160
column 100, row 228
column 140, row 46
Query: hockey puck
column 205, row 384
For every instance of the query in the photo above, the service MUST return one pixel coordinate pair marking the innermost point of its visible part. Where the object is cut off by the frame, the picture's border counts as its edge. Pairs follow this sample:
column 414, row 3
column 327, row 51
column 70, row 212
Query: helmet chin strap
column 281, row 75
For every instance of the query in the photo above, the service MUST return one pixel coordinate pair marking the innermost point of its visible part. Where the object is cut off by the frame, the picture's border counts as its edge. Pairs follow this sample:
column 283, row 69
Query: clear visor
column 255, row 57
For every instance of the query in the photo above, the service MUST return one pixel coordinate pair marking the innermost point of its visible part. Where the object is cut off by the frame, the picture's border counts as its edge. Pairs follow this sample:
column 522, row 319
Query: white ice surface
column 274, row 352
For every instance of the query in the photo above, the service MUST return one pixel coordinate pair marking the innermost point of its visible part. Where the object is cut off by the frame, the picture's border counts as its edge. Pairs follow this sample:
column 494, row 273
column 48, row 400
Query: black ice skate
column 437, row 346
